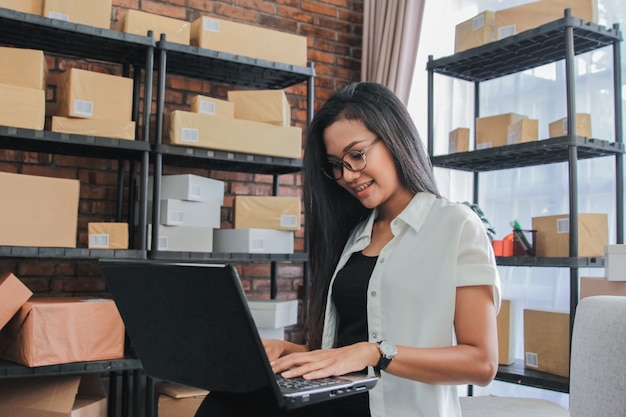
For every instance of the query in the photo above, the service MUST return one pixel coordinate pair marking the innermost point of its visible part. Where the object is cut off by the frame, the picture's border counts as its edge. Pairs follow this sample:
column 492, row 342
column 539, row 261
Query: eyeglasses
column 352, row 160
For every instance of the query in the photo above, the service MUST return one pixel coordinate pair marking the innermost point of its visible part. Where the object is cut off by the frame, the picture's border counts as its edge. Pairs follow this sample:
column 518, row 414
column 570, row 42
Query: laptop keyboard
column 301, row 383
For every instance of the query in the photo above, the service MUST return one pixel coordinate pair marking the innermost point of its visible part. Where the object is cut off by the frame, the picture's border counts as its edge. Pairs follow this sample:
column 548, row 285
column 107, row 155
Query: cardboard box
column 267, row 212
column 224, row 134
column 524, row 130
column 139, row 23
column 615, row 262
column 187, row 213
column 253, row 241
column 183, row 239
column 265, row 106
column 546, row 341
column 477, row 31
column 558, row 128
column 56, row 330
column 458, row 140
column 190, row 187
column 116, row 129
column 212, row 106
column 274, row 314
column 22, row 107
column 53, row 396
column 24, row 6
column 23, row 68
column 38, row 211
column 506, row 333
column 493, row 131
column 591, row 286
column 13, row 294
column 109, row 235
column 553, row 235
column 247, row 40
column 93, row 12
column 518, row 19
column 90, row 94
column 176, row 400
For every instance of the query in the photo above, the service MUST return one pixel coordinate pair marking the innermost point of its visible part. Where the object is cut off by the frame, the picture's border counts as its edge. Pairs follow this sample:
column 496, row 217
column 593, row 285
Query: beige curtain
column 391, row 31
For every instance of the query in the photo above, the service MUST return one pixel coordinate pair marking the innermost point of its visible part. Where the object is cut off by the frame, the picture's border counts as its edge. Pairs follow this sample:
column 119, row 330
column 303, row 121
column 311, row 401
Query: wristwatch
column 387, row 352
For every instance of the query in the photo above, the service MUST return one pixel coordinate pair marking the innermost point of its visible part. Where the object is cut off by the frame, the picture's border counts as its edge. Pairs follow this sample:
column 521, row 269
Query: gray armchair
column 597, row 370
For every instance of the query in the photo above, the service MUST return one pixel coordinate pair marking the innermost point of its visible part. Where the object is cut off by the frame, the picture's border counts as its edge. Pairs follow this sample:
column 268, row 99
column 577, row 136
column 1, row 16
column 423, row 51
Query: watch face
column 388, row 349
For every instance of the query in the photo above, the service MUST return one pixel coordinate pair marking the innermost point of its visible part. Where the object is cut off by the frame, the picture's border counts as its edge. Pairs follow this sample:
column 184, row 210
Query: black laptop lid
column 189, row 323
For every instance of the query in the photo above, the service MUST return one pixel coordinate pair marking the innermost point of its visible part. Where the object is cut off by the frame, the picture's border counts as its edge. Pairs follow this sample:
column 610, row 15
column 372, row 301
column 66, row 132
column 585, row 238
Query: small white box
column 187, row 213
column 190, row 187
column 183, row 239
column 253, row 241
column 615, row 262
column 267, row 333
column 274, row 314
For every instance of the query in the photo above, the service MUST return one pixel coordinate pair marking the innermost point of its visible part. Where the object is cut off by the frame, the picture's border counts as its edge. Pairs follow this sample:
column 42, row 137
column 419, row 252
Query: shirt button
column 382, row 260
column 374, row 336
column 395, row 222
column 373, row 293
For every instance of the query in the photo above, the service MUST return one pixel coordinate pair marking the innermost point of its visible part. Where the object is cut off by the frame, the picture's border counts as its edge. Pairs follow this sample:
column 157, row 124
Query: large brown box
column 23, row 68
column 109, row 235
column 601, row 286
column 226, row 134
column 267, row 212
column 24, row 6
column 177, row 400
column 90, row 94
column 493, row 131
column 212, row 106
column 93, row 12
column 458, row 140
column 139, row 23
column 116, row 129
column 546, row 341
column 266, row 106
column 477, row 31
column 553, row 235
column 524, row 130
column 56, row 330
column 247, row 40
column 38, row 211
column 506, row 333
column 13, row 294
column 22, row 107
column 558, row 128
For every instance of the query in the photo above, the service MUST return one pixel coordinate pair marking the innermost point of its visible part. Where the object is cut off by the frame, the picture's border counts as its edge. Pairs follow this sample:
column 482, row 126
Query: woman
column 403, row 281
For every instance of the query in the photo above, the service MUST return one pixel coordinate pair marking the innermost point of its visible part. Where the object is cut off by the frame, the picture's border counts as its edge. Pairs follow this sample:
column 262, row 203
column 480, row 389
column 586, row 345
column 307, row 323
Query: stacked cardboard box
column 176, row 400
column 265, row 106
column 24, row 6
column 553, row 235
column 110, row 235
column 139, row 23
column 93, row 12
column 272, row 316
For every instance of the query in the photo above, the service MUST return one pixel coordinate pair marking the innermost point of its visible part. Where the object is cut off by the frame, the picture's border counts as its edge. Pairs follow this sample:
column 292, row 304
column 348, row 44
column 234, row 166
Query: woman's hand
column 273, row 348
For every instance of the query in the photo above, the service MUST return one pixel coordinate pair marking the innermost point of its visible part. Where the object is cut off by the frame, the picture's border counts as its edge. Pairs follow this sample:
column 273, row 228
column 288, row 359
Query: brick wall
column 333, row 29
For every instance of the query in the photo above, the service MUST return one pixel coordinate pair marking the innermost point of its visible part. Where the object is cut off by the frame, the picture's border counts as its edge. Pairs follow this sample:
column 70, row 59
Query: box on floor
column 553, row 235
column 176, row 400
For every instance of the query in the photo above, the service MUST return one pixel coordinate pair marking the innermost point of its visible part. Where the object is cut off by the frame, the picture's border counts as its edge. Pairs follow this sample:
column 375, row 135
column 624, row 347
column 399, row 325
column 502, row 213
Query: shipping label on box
column 553, row 235
column 38, row 211
column 183, row 239
column 592, row 286
column 506, row 332
column 493, row 131
column 212, row 106
column 267, row 212
column 524, row 130
column 116, row 129
column 139, row 23
column 558, row 128
column 22, row 107
column 109, row 235
column 93, row 12
column 13, row 294
column 24, row 6
column 190, row 187
column 546, row 341
column 253, row 241
column 477, row 31
column 247, row 40
column 90, row 94
column 265, row 106
column 458, row 140
column 23, row 67
column 176, row 400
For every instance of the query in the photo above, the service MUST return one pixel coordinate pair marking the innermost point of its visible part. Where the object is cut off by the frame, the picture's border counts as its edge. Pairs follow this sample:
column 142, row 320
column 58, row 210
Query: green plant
column 491, row 232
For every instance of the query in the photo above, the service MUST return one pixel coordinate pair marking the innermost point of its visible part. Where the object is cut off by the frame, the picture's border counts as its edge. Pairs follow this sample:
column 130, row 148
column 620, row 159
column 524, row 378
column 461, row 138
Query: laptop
column 191, row 324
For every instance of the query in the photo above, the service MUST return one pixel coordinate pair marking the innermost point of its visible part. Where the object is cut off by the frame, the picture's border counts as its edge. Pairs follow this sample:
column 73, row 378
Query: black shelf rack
column 229, row 257
column 531, row 261
column 69, row 253
column 14, row 370
column 517, row 374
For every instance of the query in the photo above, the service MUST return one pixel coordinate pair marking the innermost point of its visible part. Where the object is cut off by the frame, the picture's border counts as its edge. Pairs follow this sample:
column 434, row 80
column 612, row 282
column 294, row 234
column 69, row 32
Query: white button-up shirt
column 437, row 247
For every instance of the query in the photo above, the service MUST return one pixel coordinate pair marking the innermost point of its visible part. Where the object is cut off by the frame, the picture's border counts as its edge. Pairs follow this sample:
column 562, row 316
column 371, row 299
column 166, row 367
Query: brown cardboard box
column 493, row 131
column 23, row 68
column 458, row 140
column 601, row 286
column 546, row 341
column 524, row 130
column 117, row 129
column 22, row 107
column 223, row 133
column 518, row 19
column 12, row 295
column 177, row 400
column 558, row 128
column 38, row 211
column 477, row 31
column 212, row 106
column 90, row 94
column 267, row 212
column 266, row 106
column 139, row 23
column 93, row 12
column 24, row 6
column 506, row 333
column 55, row 330
column 107, row 235
column 53, row 396
column 247, row 40
column 553, row 235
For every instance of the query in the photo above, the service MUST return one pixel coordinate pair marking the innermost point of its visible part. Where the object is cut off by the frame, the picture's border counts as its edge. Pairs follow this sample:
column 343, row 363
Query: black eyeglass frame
column 330, row 166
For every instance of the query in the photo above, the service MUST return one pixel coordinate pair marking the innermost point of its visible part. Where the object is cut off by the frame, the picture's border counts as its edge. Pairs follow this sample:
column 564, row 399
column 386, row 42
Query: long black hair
column 330, row 211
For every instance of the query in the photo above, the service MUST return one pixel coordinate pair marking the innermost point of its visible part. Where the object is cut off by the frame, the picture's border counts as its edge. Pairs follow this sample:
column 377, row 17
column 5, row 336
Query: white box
column 190, row 187
column 615, row 262
column 183, row 238
column 253, row 241
column 274, row 314
column 187, row 213
column 267, row 333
